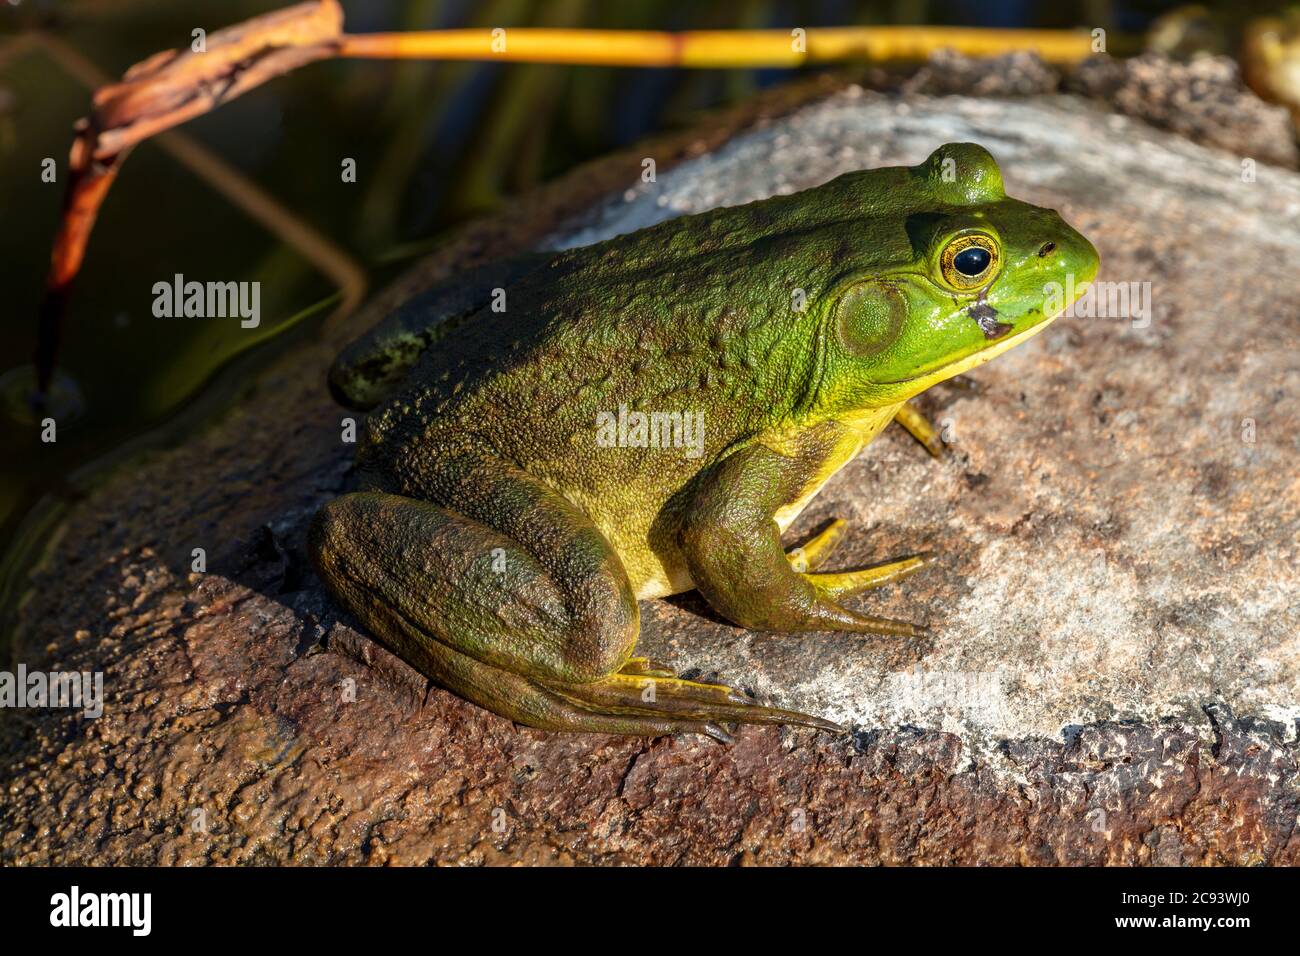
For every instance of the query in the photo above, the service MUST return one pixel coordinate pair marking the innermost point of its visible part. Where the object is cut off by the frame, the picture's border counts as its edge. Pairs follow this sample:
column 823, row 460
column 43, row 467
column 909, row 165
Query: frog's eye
column 969, row 261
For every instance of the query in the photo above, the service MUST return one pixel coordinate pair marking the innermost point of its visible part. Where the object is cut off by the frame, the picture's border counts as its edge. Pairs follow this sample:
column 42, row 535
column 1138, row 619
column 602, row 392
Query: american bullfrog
column 559, row 436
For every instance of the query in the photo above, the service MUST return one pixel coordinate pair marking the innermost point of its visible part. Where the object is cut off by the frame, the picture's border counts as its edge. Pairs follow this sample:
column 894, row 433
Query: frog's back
column 527, row 384
column 695, row 324
column 698, row 314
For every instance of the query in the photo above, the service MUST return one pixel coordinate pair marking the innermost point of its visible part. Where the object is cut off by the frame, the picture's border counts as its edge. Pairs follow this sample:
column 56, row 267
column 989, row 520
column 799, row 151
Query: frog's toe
column 718, row 734
column 921, row 428
column 672, row 698
column 645, row 667
column 817, row 550
column 866, row 624
column 841, row 584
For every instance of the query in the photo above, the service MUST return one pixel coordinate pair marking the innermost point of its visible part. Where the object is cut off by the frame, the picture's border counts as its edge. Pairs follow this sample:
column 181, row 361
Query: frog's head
column 966, row 274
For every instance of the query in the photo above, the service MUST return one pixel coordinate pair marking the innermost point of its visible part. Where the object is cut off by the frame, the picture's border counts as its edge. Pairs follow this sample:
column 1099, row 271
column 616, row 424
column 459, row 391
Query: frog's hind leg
column 532, row 618
column 664, row 696
column 633, row 705
column 415, row 572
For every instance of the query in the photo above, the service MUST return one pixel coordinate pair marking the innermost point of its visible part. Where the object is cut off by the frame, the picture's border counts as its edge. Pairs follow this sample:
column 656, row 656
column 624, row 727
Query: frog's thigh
column 556, row 606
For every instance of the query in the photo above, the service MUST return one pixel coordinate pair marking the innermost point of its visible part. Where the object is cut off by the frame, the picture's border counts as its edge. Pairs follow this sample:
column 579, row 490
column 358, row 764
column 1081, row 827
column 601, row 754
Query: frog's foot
column 672, row 699
column 644, row 699
column 834, row 585
column 920, row 428
column 835, row 617
column 736, row 559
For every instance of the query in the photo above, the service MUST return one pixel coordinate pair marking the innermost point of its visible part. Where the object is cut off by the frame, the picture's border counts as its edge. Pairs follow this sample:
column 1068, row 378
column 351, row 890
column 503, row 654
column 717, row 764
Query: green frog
column 556, row 437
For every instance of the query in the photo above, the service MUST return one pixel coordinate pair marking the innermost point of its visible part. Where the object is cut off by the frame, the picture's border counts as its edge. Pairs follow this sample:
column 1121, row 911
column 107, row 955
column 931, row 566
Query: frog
column 556, row 437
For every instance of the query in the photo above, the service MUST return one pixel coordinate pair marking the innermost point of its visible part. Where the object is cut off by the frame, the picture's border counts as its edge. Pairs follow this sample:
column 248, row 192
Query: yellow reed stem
column 714, row 48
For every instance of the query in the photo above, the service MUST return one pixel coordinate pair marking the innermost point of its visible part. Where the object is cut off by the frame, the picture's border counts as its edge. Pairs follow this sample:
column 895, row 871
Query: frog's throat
column 974, row 360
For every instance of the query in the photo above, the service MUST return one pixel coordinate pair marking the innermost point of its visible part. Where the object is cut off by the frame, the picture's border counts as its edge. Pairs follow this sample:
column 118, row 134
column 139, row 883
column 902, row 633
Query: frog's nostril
column 1048, row 248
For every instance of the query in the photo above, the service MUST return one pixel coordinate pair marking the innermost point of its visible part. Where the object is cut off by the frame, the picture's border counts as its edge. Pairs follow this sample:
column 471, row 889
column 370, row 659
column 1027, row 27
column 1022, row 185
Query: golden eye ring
column 970, row 261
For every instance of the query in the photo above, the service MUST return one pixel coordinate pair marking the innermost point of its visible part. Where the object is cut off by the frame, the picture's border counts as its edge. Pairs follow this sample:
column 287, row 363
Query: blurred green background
column 434, row 143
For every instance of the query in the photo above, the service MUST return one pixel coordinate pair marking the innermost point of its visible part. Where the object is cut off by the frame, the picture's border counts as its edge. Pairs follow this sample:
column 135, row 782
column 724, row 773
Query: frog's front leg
column 515, row 601
column 732, row 546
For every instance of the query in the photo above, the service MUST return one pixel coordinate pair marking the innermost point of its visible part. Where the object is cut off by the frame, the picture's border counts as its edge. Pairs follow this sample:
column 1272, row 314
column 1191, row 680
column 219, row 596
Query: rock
column 1015, row 74
column 1115, row 676
column 1204, row 99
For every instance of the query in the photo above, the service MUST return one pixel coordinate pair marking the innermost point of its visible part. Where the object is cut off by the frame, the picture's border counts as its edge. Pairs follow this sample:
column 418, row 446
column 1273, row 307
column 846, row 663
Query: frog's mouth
column 975, row 359
column 986, row 317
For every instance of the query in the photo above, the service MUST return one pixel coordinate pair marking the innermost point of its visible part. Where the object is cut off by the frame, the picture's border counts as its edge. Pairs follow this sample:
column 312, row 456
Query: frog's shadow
column 273, row 562
column 693, row 603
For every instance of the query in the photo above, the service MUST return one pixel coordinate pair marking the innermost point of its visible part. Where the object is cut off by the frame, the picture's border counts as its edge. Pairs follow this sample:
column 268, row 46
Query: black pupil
column 971, row 261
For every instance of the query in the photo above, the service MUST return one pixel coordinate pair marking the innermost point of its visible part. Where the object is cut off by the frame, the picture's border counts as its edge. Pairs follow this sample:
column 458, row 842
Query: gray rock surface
column 1115, row 674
